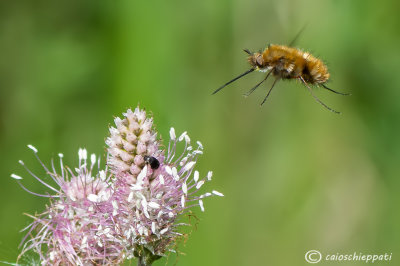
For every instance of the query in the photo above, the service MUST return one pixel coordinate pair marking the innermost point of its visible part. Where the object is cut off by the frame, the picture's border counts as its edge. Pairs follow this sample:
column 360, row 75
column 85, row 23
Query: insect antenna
column 238, row 77
column 273, row 84
column 316, row 98
column 255, row 87
column 337, row 92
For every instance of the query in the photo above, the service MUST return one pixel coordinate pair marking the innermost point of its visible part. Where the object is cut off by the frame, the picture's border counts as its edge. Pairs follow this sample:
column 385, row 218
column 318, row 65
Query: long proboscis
column 238, row 77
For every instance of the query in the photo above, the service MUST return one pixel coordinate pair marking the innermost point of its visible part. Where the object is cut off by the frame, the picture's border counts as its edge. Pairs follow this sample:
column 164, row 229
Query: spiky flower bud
column 132, row 138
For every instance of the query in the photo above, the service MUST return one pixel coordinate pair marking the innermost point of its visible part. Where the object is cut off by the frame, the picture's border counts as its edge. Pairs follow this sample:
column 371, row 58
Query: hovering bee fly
column 285, row 62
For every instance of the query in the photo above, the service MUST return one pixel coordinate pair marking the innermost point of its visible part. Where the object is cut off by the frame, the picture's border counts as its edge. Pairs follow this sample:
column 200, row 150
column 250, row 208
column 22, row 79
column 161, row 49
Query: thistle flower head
column 147, row 209
column 72, row 230
column 130, row 140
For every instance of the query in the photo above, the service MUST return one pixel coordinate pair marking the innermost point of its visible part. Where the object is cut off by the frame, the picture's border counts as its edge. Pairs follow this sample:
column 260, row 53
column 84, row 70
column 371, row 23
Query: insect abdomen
column 318, row 72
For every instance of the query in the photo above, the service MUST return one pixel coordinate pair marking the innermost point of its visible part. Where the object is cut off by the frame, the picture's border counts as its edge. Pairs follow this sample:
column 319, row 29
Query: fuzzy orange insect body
column 285, row 62
column 290, row 63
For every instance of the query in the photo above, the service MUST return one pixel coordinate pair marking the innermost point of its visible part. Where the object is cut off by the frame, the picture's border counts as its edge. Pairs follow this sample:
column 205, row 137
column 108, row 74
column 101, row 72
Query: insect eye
column 260, row 60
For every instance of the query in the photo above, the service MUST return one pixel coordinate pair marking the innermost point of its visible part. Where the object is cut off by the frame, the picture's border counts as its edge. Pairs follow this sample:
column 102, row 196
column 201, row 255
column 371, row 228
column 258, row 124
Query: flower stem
column 146, row 257
column 142, row 261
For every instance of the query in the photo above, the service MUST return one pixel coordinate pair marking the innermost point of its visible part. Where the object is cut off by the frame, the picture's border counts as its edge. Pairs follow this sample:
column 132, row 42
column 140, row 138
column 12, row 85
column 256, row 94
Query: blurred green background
column 295, row 176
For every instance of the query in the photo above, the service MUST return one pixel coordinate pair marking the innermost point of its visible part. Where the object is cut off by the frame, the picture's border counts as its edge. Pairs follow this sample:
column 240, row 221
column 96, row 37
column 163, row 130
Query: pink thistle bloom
column 75, row 228
column 98, row 218
column 152, row 190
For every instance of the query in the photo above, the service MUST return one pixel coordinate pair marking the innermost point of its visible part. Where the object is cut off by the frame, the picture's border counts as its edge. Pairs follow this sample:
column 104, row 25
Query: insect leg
column 315, row 97
column 229, row 82
column 255, row 87
column 337, row 92
column 273, row 84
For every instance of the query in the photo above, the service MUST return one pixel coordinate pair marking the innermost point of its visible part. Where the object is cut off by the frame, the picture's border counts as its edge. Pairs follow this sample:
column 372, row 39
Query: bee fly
column 285, row 62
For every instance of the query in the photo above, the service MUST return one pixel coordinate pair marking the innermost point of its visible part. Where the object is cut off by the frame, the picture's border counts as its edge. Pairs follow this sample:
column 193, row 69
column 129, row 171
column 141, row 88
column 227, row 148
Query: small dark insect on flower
column 154, row 163
column 286, row 62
